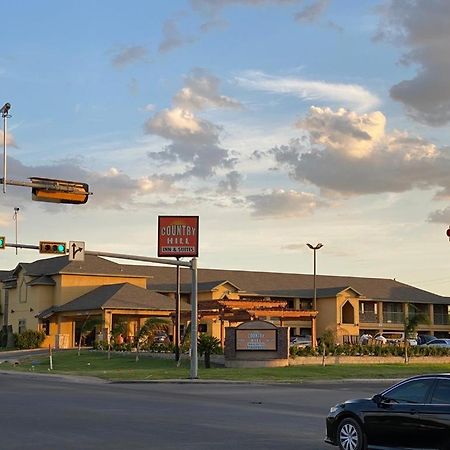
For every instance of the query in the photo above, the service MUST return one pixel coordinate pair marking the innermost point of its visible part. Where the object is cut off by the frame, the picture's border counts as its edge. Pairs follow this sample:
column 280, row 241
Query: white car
column 392, row 337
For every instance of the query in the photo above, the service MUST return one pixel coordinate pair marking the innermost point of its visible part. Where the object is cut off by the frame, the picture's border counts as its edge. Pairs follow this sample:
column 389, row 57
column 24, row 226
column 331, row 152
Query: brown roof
column 119, row 296
column 252, row 281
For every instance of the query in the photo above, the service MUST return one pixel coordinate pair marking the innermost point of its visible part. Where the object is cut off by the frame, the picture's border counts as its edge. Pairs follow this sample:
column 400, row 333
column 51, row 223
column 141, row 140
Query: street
column 57, row 413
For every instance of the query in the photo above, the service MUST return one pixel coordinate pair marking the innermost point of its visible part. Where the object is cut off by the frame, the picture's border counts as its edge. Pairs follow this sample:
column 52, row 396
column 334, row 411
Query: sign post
column 178, row 237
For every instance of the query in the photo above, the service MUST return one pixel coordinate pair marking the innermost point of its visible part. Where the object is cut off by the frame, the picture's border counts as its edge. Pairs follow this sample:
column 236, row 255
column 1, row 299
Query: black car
column 414, row 413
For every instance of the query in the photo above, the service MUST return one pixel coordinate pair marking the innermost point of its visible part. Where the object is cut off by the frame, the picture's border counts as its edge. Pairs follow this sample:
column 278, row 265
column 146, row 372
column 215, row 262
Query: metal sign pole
column 177, row 316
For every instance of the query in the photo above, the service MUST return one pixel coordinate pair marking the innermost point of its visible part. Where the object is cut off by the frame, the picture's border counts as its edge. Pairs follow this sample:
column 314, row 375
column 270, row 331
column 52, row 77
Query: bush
column 29, row 339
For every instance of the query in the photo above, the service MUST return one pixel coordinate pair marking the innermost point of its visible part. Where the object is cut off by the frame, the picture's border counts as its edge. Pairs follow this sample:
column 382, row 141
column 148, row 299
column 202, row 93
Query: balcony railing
column 368, row 317
column 393, row 317
column 441, row 319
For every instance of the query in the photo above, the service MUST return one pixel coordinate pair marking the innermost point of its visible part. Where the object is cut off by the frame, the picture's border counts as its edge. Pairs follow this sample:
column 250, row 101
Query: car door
column 395, row 422
column 435, row 416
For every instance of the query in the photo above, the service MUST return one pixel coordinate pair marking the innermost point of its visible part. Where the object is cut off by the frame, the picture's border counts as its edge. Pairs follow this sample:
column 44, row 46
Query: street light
column 315, row 248
column 16, row 219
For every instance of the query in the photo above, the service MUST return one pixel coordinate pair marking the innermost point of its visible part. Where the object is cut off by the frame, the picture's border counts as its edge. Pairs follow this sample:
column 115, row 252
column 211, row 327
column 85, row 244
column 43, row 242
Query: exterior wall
column 347, row 329
column 327, row 316
column 69, row 287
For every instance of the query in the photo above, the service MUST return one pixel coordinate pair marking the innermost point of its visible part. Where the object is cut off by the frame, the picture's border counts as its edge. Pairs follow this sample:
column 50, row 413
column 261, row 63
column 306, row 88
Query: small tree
column 147, row 332
column 208, row 345
column 411, row 321
column 89, row 325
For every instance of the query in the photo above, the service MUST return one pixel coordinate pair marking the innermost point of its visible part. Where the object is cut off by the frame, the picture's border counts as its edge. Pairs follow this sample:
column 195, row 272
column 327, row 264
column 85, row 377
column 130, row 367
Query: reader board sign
column 178, row 236
column 256, row 340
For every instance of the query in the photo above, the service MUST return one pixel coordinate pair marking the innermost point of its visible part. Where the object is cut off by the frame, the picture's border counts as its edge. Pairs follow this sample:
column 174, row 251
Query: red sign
column 178, row 236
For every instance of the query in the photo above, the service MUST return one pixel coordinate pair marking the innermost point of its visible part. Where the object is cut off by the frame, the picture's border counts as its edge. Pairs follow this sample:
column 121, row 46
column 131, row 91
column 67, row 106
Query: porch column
column 313, row 332
column 107, row 320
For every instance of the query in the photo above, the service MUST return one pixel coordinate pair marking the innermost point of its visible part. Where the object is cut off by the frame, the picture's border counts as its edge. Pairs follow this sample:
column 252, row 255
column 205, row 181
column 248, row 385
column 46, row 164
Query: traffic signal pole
column 192, row 264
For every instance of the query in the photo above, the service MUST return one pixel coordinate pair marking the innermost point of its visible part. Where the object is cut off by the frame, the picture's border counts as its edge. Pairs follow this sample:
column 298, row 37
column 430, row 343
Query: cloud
column 195, row 141
column 313, row 11
column 231, row 183
column 423, row 29
column 281, row 204
column 10, row 140
column 129, row 55
column 201, row 91
column 350, row 154
column 351, row 95
column 440, row 216
column 172, row 37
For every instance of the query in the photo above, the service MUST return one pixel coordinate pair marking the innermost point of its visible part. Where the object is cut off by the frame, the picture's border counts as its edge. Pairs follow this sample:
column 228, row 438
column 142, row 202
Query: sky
column 277, row 122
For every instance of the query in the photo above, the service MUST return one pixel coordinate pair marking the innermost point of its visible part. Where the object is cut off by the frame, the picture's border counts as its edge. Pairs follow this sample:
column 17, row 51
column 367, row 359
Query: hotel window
column 22, row 325
column 23, row 292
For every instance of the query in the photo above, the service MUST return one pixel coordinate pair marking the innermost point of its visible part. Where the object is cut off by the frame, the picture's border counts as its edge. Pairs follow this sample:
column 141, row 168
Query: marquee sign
column 256, row 339
column 178, row 236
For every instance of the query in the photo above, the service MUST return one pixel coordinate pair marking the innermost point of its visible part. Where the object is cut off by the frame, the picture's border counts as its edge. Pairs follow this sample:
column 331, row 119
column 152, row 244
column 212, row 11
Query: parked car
column 423, row 339
column 161, row 337
column 412, row 414
column 439, row 343
column 394, row 337
column 300, row 341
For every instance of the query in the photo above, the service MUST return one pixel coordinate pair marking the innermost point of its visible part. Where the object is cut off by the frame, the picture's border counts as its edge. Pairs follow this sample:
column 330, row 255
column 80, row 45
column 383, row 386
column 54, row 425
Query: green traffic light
column 2, row 242
column 61, row 248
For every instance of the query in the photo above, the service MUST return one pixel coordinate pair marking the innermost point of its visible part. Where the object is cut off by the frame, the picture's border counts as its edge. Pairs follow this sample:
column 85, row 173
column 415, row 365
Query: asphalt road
column 55, row 413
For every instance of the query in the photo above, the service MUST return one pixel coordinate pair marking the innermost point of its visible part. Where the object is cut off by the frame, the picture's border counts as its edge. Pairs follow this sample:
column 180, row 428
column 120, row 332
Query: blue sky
column 278, row 122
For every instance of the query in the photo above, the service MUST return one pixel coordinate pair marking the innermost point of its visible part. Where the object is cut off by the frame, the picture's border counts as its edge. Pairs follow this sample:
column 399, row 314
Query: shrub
column 29, row 339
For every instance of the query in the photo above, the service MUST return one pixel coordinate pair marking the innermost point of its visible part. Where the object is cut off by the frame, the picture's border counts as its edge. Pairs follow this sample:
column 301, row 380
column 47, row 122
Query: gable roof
column 119, row 296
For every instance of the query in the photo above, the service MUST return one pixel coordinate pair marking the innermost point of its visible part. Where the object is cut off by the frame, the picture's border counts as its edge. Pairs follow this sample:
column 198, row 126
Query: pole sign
column 178, row 236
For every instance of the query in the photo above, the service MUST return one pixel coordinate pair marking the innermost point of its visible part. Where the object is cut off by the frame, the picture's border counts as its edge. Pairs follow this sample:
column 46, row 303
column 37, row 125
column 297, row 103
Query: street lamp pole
column 314, row 249
column 16, row 219
column 4, row 111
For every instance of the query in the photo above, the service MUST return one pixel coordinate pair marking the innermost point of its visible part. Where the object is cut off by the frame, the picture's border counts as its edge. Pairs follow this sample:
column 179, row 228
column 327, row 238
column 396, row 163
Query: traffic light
column 2, row 242
column 52, row 247
column 59, row 191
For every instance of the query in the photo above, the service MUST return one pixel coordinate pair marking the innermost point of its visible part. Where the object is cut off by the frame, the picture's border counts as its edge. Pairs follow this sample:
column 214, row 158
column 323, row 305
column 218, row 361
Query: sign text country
column 178, row 236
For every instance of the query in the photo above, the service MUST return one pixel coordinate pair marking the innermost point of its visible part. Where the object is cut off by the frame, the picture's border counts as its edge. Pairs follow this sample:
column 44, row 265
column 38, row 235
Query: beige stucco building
column 56, row 295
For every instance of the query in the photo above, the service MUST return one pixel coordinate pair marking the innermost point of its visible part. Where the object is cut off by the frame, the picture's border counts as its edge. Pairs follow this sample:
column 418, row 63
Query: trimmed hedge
column 370, row 350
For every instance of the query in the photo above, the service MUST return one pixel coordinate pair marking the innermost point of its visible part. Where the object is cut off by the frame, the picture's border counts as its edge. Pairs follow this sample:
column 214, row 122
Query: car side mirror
column 377, row 398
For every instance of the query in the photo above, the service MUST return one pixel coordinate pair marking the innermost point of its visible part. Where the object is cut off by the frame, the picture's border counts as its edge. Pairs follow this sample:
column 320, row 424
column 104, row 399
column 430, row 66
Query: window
column 23, row 292
column 415, row 391
column 202, row 328
column 22, row 325
column 348, row 313
column 45, row 326
column 442, row 392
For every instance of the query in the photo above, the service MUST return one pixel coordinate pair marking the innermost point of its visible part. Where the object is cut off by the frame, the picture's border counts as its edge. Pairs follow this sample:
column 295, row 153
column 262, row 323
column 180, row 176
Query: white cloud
column 354, row 155
column 350, row 95
column 10, row 140
column 195, row 141
column 283, row 204
column 423, row 29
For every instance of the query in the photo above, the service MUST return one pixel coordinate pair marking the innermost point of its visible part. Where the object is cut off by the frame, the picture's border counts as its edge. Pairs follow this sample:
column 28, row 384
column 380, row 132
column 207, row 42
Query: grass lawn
column 124, row 367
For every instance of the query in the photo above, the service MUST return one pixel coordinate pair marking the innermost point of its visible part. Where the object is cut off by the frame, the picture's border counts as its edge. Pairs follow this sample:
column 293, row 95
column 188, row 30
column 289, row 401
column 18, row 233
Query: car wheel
column 350, row 435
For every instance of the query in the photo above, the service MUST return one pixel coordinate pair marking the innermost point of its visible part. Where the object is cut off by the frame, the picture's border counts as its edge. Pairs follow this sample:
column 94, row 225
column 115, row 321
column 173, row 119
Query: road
column 57, row 413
